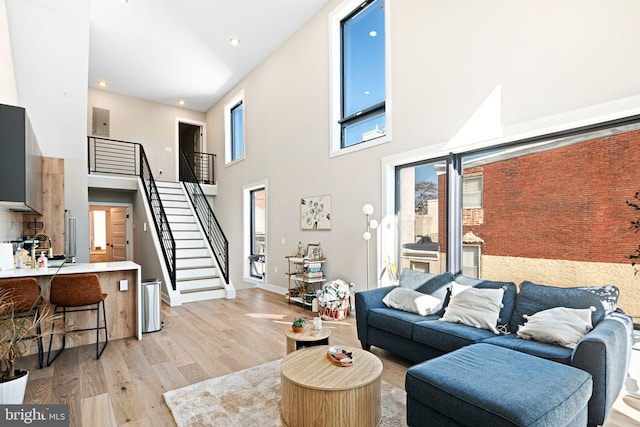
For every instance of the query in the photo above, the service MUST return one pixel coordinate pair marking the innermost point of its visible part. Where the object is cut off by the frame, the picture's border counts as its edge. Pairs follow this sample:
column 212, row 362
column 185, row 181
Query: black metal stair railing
column 217, row 240
column 128, row 158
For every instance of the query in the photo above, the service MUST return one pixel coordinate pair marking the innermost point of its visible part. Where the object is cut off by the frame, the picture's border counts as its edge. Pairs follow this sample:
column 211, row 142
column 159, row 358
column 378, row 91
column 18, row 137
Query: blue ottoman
column 486, row 385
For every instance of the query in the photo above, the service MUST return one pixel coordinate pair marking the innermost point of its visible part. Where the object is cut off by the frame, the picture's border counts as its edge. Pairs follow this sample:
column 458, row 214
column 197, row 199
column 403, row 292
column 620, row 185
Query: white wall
column 462, row 72
column 149, row 123
column 8, row 90
column 50, row 50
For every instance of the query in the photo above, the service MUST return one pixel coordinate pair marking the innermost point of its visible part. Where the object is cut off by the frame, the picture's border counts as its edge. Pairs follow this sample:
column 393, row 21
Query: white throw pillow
column 560, row 326
column 474, row 307
column 409, row 300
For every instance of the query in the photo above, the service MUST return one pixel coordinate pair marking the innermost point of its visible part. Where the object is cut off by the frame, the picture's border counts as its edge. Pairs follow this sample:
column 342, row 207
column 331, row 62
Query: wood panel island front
column 124, row 308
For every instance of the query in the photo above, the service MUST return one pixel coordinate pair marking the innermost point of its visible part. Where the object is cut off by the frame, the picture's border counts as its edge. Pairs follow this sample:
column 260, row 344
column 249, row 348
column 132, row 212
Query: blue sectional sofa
column 604, row 352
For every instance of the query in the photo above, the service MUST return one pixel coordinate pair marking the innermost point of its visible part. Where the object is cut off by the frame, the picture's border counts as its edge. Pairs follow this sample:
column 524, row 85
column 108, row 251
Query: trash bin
column 151, row 305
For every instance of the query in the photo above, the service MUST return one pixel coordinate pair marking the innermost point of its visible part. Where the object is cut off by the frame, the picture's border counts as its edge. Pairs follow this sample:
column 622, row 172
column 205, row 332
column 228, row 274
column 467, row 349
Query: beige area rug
column 252, row 398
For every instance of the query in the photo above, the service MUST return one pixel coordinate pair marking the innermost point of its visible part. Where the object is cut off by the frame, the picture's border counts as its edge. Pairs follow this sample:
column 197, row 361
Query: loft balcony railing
column 128, row 158
column 202, row 165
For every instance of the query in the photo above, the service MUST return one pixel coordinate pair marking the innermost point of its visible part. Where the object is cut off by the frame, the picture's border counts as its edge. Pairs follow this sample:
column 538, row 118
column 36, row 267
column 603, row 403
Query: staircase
column 197, row 277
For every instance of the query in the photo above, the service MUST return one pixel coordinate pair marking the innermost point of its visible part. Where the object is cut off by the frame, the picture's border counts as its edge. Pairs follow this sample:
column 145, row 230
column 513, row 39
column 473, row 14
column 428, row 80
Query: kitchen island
column 124, row 308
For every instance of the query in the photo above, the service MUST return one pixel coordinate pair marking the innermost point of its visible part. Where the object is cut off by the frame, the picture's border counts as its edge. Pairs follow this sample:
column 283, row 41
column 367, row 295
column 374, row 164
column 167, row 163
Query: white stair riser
column 194, row 262
column 170, row 197
column 191, row 285
column 183, row 226
column 178, row 204
column 203, row 296
column 195, row 273
column 190, row 244
column 191, row 235
column 167, row 184
column 191, row 253
column 178, row 219
column 177, row 211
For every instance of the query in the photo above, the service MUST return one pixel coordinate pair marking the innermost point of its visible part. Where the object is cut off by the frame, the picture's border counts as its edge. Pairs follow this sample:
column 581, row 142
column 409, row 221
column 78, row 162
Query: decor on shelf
column 333, row 300
column 314, row 252
column 372, row 224
column 315, row 212
column 298, row 324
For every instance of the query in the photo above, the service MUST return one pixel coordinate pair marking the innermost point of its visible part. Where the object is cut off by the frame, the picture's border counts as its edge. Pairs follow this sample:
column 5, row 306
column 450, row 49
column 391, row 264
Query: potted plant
column 298, row 324
column 19, row 328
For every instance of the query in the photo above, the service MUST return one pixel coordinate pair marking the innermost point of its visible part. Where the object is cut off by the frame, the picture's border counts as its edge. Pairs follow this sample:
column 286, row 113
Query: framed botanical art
column 315, row 212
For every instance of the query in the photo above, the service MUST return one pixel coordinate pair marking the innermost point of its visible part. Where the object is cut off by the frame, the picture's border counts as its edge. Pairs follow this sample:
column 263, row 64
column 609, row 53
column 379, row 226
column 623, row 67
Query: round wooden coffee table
column 307, row 338
column 315, row 392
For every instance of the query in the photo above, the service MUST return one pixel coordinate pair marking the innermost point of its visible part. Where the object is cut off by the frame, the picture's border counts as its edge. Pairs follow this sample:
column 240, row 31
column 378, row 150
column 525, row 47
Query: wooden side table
column 315, row 392
column 309, row 337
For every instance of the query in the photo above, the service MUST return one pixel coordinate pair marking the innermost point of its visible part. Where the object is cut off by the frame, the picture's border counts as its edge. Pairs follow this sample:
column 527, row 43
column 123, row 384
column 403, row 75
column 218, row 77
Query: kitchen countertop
column 97, row 267
column 70, row 268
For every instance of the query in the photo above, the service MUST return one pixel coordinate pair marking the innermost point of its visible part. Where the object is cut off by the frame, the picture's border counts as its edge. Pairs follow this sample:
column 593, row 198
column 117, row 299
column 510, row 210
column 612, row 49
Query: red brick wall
column 567, row 203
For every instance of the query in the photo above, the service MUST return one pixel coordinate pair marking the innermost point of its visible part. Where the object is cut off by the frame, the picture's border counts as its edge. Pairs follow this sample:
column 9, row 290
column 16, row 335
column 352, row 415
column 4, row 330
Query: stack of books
column 313, row 270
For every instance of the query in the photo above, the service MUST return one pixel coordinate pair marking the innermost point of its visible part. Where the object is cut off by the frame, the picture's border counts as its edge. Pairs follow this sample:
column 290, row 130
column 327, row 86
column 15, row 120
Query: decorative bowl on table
column 339, row 356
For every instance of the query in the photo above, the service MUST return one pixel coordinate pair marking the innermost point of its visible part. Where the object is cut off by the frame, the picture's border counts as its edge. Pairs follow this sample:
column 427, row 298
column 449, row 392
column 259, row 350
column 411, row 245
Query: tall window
column 237, row 132
column 258, row 233
column 234, row 129
column 421, row 212
column 359, row 79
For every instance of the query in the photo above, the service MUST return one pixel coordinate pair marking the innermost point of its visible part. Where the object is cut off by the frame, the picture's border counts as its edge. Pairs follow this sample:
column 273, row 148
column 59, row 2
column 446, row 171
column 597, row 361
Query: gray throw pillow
column 533, row 298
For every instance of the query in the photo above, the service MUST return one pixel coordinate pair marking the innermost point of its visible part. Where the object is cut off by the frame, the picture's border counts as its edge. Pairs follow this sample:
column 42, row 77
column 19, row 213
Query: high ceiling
column 169, row 50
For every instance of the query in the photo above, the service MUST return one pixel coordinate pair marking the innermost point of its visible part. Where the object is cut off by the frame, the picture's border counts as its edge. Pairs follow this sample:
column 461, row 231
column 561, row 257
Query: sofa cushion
column 395, row 321
column 560, row 326
column 413, row 279
column 412, row 301
column 607, row 295
column 446, row 336
column 534, row 348
column 485, row 385
column 474, row 307
column 533, row 298
column 508, row 300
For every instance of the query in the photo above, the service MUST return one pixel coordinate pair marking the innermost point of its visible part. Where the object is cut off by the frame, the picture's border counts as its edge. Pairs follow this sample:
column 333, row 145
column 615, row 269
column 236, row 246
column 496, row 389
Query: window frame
column 247, row 191
column 229, row 107
column 336, row 17
column 477, row 177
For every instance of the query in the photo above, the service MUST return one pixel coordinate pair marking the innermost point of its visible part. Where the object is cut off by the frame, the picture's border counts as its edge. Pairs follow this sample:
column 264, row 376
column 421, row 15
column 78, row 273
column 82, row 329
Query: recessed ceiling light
column 181, row 102
column 234, row 41
column 373, row 33
column 102, row 83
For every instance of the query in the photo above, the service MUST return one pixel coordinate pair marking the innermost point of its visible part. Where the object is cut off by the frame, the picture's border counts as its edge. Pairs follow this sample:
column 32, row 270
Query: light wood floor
column 199, row 341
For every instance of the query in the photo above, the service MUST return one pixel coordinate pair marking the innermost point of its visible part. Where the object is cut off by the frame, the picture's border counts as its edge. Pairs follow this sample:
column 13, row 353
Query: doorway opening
column 110, row 228
column 191, row 142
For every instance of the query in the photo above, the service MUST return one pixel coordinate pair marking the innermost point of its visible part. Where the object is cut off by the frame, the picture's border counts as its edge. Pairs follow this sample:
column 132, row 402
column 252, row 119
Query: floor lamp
column 372, row 224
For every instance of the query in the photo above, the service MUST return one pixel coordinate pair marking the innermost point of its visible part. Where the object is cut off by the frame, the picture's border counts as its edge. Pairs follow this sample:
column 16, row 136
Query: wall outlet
column 124, row 285
column 283, row 241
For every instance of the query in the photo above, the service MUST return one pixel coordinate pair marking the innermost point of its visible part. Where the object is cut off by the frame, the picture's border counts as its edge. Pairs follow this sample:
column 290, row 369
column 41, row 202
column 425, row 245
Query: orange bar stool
column 71, row 291
column 24, row 293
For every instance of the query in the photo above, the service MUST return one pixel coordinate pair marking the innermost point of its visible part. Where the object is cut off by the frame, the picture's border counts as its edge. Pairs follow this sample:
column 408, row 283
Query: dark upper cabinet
column 20, row 162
